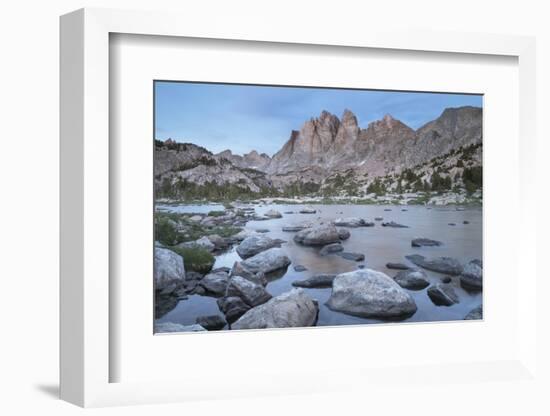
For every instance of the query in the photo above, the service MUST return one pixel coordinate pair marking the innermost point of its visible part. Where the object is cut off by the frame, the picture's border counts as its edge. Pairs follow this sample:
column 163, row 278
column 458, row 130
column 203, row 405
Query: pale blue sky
column 247, row 117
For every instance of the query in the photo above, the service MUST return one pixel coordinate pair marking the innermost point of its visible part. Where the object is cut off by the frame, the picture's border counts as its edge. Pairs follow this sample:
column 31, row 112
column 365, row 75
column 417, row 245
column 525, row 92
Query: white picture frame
column 86, row 262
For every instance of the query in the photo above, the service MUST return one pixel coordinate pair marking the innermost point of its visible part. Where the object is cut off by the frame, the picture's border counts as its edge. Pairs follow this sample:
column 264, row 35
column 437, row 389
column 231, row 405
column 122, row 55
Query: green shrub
column 165, row 231
column 195, row 258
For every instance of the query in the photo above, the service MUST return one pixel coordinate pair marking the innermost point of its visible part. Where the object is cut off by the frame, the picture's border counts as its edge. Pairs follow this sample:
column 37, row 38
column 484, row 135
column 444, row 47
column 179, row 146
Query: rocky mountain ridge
column 333, row 156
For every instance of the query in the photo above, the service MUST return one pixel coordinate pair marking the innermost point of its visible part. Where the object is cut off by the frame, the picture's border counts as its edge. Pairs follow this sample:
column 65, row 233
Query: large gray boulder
column 215, row 283
column 251, row 293
column 370, row 294
column 290, row 309
column 272, row 213
column 169, row 267
column 266, row 262
column 412, row 279
column 446, row 265
column 318, row 236
column 351, row 222
column 472, row 277
column 255, row 244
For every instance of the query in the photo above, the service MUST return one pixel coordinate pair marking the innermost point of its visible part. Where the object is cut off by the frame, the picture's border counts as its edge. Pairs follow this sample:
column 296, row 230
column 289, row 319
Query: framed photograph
column 227, row 198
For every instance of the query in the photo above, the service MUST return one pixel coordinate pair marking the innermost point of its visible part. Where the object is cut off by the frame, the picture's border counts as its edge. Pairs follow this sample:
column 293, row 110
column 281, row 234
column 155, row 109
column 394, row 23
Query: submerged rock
column 393, row 224
column 211, row 322
column 412, row 279
column 331, row 249
column 318, row 281
column 425, row 242
column 307, row 210
column 447, row 265
column 169, row 268
column 474, row 314
column 472, row 277
column 370, row 294
column 291, row 309
column 173, row 327
column 251, row 293
column 318, row 236
column 233, row 308
column 397, row 266
column 255, row 244
column 442, row 294
column 352, row 256
column 300, row 268
column 378, row 218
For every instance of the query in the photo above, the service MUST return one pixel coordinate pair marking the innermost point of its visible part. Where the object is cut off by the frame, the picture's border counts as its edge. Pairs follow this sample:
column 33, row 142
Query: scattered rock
column 360, row 266
column 352, row 222
column 331, row 248
column 251, row 293
column 300, row 268
column 215, row 283
column 465, row 222
column 195, row 218
column 387, row 209
column 173, row 327
column 393, row 224
column 203, row 242
column 412, row 279
column 318, row 281
column 404, row 210
column 370, row 294
column 233, row 308
column 168, row 267
column 307, row 210
column 318, row 236
column 262, row 230
column 257, row 277
column 474, row 314
column 343, row 234
column 291, row 309
column 272, row 213
column 289, row 212
column 378, row 218
column 220, row 243
column 241, row 235
column 425, row 242
column 352, row 256
column 472, row 277
column 397, row 266
column 452, row 224
column 255, row 244
column 446, row 265
column 446, row 279
column 267, row 261
column 211, row 322
column 442, row 295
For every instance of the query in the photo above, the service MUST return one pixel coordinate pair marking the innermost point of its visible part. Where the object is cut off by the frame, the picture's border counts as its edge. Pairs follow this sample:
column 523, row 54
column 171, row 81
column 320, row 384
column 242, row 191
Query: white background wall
column 29, row 56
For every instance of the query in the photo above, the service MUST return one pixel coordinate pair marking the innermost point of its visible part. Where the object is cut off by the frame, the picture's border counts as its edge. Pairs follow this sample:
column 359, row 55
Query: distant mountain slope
column 386, row 156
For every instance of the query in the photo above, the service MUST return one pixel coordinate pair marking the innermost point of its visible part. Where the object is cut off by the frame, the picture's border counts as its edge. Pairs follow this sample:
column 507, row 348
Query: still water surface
column 380, row 245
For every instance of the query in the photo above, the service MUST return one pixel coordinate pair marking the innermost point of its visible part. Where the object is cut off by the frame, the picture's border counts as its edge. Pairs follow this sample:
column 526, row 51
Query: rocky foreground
column 187, row 243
